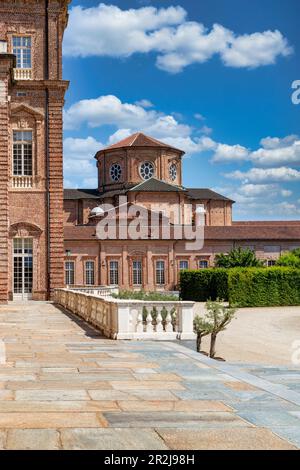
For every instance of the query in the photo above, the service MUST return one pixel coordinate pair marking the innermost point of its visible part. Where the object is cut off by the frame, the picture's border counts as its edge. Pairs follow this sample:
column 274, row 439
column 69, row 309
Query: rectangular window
column 203, row 264
column 137, row 275
column 70, row 273
column 183, row 264
column 160, row 273
column 271, row 263
column 22, row 51
column 272, row 249
column 114, row 273
column 22, row 153
column 90, row 273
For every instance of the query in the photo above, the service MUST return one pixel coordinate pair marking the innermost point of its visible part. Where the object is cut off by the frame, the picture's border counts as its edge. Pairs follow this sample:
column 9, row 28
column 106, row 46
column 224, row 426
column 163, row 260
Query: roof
column 227, row 233
column 140, row 140
column 267, row 222
column 204, row 193
column 81, row 194
column 253, row 232
column 151, row 185
column 155, row 185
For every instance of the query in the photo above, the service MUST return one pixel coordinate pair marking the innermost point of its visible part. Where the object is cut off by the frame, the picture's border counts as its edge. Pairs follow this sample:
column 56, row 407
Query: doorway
column 23, row 268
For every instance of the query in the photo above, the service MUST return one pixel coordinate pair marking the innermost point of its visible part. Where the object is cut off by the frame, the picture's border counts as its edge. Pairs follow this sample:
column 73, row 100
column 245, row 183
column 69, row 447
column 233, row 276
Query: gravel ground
column 259, row 335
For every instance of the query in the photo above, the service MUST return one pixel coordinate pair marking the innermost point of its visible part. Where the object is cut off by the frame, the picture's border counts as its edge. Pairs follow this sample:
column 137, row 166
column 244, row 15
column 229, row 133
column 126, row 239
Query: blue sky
column 222, row 93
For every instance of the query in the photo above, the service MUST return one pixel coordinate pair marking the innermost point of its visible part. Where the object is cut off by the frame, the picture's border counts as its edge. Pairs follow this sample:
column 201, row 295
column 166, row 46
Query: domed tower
column 136, row 159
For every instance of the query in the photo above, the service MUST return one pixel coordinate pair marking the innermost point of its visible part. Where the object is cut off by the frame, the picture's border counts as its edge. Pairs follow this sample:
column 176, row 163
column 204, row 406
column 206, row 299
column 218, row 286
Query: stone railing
column 22, row 182
column 131, row 319
column 22, row 74
column 98, row 291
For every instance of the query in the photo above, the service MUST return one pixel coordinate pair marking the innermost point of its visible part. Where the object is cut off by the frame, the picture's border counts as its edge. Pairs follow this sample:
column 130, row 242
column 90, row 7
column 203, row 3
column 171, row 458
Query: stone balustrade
column 22, row 74
column 22, row 182
column 131, row 319
column 98, row 291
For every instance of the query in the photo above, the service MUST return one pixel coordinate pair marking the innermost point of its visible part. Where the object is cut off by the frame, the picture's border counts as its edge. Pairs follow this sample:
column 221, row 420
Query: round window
column 147, row 170
column 115, row 172
column 173, row 172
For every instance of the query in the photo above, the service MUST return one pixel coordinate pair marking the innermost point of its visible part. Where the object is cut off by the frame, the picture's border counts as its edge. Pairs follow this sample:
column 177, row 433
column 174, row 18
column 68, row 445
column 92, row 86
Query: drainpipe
column 47, row 142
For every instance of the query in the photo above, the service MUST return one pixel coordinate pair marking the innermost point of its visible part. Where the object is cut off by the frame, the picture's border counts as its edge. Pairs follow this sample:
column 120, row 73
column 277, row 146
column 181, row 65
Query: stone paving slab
column 173, row 419
column 216, row 439
column 66, row 387
column 113, row 439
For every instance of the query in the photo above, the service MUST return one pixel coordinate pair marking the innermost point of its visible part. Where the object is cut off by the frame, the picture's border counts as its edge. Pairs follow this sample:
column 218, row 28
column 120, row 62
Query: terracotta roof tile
column 140, row 140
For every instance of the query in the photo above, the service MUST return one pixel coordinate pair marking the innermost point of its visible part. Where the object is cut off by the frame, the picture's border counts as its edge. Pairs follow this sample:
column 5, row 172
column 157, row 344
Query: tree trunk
column 213, row 339
column 199, row 340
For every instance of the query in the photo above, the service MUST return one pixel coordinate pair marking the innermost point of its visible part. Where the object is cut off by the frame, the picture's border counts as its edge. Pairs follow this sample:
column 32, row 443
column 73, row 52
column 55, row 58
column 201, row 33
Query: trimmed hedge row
column 243, row 287
column 201, row 285
column 264, row 287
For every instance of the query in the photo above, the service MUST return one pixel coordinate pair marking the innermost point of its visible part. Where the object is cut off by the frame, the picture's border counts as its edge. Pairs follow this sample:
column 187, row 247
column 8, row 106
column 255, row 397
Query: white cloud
column 107, row 110
column 206, row 130
column 78, row 161
column 144, row 103
column 254, row 50
column 258, row 175
column 286, row 193
column 229, row 153
column 106, row 30
column 78, row 149
column 128, row 119
column 256, row 190
column 274, row 152
column 199, row 117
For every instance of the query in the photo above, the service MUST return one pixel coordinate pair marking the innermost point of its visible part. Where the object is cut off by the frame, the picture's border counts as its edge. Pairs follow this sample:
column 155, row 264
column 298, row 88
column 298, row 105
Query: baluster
column 159, row 325
column 174, row 321
column 149, row 326
column 169, row 326
column 139, row 323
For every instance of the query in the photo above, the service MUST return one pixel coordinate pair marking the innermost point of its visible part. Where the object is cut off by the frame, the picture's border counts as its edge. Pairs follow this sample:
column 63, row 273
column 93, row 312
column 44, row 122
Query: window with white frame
column 203, row 264
column 183, row 264
column 114, row 273
column 90, row 273
column 271, row 262
column 69, row 273
column 160, row 273
column 22, row 153
column 137, row 273
column 23, row 51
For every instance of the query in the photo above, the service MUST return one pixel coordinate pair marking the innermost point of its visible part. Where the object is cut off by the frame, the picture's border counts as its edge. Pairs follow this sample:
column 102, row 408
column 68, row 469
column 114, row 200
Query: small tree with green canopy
column 238, row 257
column 219, row 316
column 290, row 259
column 201, row 328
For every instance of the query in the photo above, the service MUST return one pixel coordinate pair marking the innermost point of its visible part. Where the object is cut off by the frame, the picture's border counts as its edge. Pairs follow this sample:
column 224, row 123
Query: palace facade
column 49, row 238
column 148, row 173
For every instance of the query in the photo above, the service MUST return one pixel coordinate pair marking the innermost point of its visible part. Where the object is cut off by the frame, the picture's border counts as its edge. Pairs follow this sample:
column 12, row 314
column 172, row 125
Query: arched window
column 173, row 171
column 115, row 172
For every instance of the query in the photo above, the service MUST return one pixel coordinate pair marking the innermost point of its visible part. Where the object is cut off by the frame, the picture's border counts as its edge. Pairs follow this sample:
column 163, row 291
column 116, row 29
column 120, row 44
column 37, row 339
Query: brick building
column 47, row 239
column 31, row 177
column 149, row 174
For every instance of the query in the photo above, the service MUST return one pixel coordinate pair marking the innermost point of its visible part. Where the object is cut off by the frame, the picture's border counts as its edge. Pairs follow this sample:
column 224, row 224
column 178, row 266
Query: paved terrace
column 65, row 387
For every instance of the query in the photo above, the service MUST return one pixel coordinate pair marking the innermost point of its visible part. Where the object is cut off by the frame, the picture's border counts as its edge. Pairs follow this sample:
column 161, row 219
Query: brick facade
column 31, row 203
column 178, row 204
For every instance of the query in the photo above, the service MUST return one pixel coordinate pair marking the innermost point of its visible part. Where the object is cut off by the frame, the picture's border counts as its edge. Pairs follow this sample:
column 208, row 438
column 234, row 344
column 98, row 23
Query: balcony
column 22, row 182
column 22, row 74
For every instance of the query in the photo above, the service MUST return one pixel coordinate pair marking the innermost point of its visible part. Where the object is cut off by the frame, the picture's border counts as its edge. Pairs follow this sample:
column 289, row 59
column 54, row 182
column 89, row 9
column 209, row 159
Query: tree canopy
column 238, row 257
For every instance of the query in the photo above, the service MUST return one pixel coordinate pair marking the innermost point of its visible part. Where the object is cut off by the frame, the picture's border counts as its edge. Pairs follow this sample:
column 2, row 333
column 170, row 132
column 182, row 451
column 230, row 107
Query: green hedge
column 243, row 287
column 264, row 287
column 201, row 285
